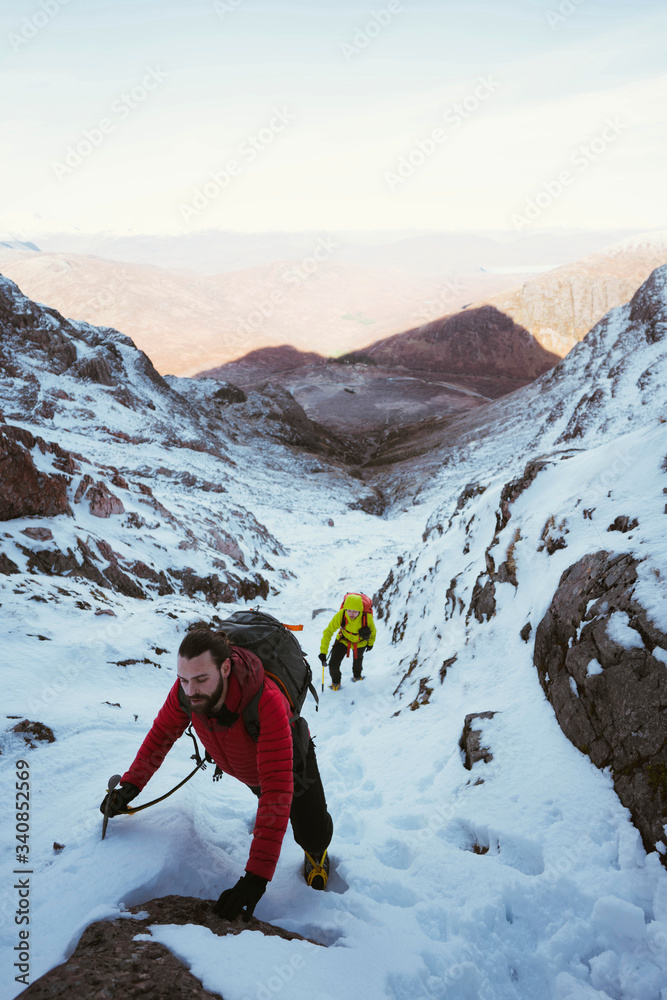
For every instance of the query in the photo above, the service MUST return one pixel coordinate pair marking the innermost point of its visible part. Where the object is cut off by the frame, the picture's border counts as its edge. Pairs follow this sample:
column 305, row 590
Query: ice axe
column 111, row 784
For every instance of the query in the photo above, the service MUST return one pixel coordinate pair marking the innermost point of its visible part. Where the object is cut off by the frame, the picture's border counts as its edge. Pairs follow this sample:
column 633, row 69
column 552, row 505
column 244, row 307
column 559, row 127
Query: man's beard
column 208, row 703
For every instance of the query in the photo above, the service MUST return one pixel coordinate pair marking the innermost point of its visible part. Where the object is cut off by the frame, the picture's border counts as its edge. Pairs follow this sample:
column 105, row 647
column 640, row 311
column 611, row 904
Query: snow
column 523, row 878
column 594, row 667
column 618, row 629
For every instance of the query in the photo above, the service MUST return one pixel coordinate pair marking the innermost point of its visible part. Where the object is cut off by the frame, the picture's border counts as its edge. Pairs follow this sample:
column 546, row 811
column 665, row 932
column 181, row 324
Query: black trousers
column 312, row 825
column 338, row 651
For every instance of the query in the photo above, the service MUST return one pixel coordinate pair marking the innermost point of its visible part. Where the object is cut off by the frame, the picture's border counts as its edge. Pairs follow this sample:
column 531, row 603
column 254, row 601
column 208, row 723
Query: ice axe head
column 111, row 784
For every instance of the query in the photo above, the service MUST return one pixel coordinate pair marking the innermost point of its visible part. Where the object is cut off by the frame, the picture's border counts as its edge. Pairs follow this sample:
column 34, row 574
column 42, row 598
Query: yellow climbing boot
column 316, row 874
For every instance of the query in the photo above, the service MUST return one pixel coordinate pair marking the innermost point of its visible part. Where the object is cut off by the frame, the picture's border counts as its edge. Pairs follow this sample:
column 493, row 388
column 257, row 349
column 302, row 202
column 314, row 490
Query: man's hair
column 200, row 638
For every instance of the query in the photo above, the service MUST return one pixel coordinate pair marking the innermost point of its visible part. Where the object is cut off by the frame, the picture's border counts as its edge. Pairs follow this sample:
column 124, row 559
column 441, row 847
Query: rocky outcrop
column 101, row 501
column 25, row 491
column 33, row 731
column 110, row 962
column 647, row 306
column 470, row 743
column 512, row 491
column 93, row 369
column 594, row 653
column 217, row 591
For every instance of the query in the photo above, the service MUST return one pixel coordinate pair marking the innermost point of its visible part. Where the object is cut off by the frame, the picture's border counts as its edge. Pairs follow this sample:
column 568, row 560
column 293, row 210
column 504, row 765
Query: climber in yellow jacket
column 356, row 632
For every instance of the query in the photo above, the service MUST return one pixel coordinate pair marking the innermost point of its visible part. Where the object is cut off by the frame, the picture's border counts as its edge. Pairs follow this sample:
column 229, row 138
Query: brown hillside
column 476, row 342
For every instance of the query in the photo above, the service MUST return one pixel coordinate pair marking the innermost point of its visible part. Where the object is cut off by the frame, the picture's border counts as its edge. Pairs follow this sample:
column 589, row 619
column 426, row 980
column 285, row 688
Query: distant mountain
column 446, row 367
column 10, row 244
column 424, row 252
column 188, row 322
column 560, row 306
column 481, row 342
column 264, row 363
column 611, row 382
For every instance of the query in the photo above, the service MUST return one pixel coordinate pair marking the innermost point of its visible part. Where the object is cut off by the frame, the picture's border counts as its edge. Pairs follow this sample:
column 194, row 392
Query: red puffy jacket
column 266, row 764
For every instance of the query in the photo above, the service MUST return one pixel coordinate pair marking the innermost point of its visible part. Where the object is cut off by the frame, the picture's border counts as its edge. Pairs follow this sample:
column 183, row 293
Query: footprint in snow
column 393, row 893
column 433, row 922
column 395, row 854
column 517, row 852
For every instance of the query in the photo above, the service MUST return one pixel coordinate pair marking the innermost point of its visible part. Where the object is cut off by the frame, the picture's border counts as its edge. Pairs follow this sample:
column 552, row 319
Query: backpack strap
column 251, row 715
column 352, row 645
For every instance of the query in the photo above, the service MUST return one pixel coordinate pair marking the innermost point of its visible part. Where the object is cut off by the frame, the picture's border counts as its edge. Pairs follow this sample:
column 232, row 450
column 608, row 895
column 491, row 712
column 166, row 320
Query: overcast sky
column 160, row 116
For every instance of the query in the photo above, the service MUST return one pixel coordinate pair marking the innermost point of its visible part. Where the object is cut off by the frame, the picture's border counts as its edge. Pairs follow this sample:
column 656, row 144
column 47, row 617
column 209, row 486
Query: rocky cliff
column 560, row 306
column 602, row 663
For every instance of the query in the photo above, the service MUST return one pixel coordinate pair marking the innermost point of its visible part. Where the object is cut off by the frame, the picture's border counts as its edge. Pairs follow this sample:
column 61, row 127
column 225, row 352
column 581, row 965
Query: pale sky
column 160, row 116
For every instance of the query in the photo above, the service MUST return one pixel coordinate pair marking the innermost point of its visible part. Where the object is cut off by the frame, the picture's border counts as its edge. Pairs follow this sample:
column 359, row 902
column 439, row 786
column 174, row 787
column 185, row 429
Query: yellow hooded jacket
column 349, row 634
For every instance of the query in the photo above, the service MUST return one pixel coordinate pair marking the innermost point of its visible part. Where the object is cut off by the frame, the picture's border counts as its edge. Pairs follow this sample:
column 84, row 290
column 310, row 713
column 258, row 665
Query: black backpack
column 283, row 661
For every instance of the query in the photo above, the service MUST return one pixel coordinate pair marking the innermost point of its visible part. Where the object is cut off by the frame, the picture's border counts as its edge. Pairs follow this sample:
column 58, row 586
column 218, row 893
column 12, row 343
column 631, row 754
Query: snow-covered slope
column 520, row 878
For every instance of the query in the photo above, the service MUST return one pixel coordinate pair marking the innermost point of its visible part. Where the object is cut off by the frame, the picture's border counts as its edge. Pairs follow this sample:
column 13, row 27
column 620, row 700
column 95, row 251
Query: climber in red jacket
column 216, row 682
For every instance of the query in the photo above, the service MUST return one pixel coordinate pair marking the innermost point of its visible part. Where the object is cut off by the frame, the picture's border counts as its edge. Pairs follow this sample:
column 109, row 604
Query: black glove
column 120, row 798
column 241, row 898
column 368, row 650
column 323, row 657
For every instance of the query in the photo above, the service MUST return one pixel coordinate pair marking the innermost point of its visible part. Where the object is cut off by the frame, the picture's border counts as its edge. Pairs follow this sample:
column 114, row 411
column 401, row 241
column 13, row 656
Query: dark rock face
column 623, row 523
column 107, row 961
column 24, row 490
column 483, row 600
column 41, row 330
column 512, row 491
column 647, row 306
column 93, row 369
column 38, row 534
column 103, row 503
column 374, row 503
column 471, row 740
column 217, row 591
column 229, row 393
column 286, row 421
column 615, row 713
column 7, row 565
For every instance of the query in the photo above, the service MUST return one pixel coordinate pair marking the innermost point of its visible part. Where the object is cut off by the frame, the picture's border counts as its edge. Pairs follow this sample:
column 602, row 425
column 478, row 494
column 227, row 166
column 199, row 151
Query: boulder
column 594, row 656
column 103, row 503
column 110, row 962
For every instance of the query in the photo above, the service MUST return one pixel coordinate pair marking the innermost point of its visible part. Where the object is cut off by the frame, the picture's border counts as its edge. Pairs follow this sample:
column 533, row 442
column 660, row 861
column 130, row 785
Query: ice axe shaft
column 111, row 784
